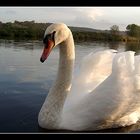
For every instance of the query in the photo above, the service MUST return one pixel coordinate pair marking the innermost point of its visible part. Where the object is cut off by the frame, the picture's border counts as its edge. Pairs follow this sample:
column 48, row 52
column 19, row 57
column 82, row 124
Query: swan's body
column 106, row 95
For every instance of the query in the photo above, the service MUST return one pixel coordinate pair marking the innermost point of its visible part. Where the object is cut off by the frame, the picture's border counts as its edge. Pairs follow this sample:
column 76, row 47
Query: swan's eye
column 49, row 37
column 46, row 38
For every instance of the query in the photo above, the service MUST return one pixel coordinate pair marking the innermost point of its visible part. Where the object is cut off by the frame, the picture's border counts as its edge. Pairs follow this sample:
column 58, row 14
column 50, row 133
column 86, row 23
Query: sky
column 92, row 17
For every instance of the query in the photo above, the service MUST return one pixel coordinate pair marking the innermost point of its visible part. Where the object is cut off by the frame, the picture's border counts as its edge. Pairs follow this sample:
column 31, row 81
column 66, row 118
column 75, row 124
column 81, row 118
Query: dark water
column 25, row 81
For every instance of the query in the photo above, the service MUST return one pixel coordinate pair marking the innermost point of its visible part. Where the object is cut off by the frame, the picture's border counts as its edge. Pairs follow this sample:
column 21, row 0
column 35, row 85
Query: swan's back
column 105, row 93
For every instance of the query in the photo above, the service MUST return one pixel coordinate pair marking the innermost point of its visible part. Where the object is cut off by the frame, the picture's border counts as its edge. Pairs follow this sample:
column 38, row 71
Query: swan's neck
column 53, row 106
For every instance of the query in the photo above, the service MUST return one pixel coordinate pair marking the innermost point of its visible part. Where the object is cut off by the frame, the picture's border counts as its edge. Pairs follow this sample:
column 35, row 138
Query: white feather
column 104, row 93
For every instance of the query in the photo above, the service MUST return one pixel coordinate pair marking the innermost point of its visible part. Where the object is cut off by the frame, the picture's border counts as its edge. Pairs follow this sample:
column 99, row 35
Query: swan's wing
column 93, row 69
column 115, row 102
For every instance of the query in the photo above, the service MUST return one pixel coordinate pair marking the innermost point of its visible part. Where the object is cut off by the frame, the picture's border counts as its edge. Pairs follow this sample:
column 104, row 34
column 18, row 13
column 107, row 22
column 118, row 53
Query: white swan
column 103, row 94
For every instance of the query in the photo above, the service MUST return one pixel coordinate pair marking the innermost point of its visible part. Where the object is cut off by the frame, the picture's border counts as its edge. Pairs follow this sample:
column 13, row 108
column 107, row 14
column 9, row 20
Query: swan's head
column 54, row 35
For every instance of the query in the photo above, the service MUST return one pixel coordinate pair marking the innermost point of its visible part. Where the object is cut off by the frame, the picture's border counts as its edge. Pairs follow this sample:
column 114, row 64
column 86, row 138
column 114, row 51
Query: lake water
column 25, row 81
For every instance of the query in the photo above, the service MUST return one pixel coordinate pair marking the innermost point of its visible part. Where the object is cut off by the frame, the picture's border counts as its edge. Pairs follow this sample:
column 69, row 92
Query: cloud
column 75, row 16
column 87, row 17
column 91, row 13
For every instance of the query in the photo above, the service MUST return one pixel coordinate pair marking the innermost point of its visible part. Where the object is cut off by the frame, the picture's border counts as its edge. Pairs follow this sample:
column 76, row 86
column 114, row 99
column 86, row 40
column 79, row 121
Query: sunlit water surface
column 25, row 82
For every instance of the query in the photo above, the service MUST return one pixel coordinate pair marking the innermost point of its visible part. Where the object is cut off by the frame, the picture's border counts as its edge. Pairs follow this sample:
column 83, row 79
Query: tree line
column 22, row 30
column 35, row 31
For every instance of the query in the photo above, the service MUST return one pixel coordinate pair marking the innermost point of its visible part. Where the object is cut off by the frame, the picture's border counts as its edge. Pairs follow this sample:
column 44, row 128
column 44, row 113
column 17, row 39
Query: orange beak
column 47, row 49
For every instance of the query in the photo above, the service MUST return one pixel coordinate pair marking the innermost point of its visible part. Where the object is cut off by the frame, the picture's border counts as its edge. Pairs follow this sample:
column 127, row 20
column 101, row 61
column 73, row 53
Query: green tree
column 115, row 33
column 114, row 29
column 133, row 30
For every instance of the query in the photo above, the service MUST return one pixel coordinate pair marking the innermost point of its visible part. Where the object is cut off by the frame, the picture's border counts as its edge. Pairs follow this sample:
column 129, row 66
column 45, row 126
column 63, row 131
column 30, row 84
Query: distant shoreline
column 29, row 30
